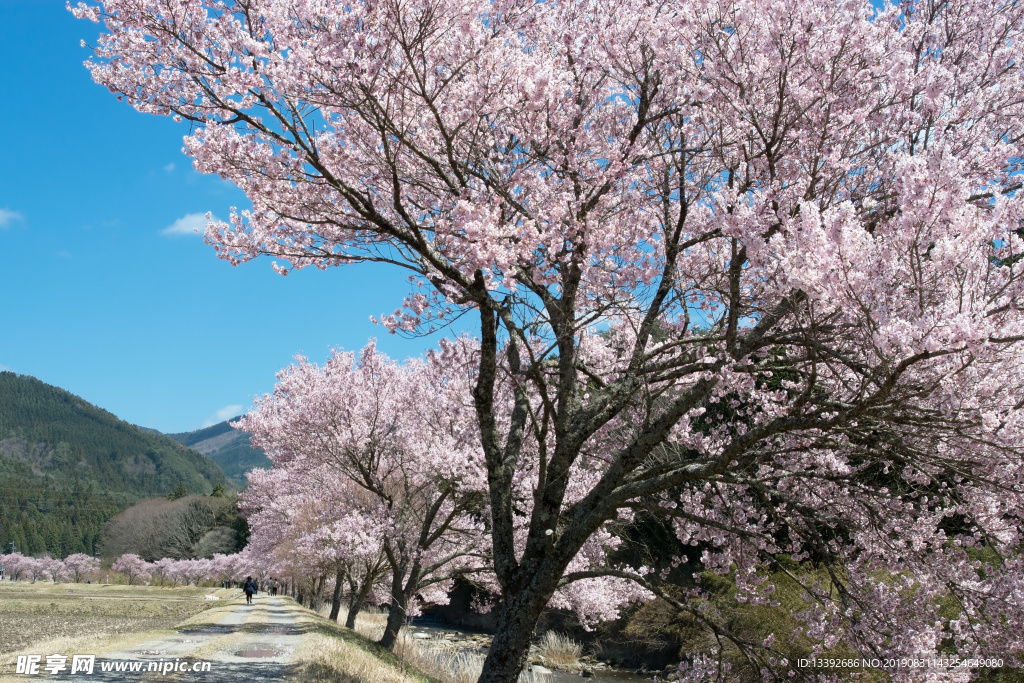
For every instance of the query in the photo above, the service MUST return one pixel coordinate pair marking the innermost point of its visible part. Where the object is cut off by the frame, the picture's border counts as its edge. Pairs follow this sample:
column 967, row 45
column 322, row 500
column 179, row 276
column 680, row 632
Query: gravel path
column 238, row 648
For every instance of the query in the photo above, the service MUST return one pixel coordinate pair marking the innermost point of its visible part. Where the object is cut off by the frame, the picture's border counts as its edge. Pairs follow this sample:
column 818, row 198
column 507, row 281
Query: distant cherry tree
column 133, row 567
column 162, row 570
column 310, row 522
column 15, row 566
column 39, row 568
column 80, row 565
column 752, row 266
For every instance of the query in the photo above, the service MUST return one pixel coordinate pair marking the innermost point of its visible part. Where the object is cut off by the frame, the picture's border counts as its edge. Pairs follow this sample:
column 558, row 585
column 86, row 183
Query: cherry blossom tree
column 38, row 568
column 133, row 567
column 80, row 565
column 163, row 569
column 285, row 510
column 311, row 521
column 224, row 566
column 751, row 265
column 388, row 467
column 192, row 571
column 57, row 570
column 16, row 566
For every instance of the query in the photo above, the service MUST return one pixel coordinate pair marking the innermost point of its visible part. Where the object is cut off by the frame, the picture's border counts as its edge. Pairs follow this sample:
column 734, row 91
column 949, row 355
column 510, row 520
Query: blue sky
column 98, row 296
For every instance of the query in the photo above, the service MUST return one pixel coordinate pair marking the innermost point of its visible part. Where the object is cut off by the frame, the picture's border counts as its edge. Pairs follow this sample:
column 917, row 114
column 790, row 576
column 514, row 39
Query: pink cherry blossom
column 134, row 568
column 79, row 565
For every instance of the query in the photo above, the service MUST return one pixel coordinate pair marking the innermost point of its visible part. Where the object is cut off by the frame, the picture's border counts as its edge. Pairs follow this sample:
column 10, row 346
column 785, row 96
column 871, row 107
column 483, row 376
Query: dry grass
column 449, row 665
column 332, row 653
column 445, row 662
column 327, row 658
column 370, row 623
column 560, row 652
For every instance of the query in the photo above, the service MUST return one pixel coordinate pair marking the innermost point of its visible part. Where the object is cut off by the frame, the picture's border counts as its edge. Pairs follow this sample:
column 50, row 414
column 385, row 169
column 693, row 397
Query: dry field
column 32, row 614
column 141, row 622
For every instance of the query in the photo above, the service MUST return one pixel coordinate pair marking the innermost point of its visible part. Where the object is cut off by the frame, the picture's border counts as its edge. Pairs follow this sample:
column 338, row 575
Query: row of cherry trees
column 187, row 571
column 77, row 567
column 378, row 480
column 80, row 567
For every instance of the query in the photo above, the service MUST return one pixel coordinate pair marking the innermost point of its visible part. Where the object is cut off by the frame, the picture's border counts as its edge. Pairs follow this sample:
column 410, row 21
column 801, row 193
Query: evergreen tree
column 179, row 492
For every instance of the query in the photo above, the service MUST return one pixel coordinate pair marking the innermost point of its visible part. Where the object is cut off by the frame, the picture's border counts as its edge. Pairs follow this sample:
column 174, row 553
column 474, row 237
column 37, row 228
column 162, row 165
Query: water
column 473, row 642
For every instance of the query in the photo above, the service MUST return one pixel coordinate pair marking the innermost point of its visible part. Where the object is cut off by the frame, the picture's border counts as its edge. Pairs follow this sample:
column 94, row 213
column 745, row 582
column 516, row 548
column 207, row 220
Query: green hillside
column 226, row 446
column 67, row 466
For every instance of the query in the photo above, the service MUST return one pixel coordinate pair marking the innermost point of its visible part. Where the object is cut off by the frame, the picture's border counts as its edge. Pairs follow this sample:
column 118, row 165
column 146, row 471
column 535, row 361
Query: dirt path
column 253, row 643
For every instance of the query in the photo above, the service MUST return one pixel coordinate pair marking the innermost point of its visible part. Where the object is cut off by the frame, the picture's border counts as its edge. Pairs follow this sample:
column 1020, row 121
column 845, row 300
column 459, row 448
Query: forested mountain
column 226, row 446
column 67, row 466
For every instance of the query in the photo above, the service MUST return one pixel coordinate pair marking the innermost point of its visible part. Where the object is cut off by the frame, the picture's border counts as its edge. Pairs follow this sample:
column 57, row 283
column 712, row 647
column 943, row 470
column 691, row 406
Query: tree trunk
column 357, row 602
column 517, row 621
column 317, row 599
column 339, row 585
column 396, row 618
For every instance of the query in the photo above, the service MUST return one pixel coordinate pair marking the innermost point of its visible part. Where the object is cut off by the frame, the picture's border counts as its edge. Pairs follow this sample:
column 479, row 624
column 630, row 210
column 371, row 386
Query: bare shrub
column 560, row 651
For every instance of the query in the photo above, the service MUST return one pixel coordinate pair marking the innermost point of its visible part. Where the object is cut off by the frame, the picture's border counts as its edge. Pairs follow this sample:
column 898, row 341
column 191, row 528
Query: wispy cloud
column 225, row 413
column 169, row 167
column 7, row 217
column 4, row 368
column 189, row 224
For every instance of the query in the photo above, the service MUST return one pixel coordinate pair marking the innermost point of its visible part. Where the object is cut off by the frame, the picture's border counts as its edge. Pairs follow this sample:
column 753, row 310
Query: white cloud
column 225, row 413
column 169, row 167
column 189, row 224
column 4, row 368
column 7, row 217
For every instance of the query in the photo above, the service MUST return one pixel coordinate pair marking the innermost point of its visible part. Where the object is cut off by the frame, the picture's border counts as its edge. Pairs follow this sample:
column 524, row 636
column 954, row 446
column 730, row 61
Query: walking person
column 250, row 589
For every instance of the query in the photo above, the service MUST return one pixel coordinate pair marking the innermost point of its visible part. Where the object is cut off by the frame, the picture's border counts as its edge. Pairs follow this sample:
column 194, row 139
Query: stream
column 476, row 643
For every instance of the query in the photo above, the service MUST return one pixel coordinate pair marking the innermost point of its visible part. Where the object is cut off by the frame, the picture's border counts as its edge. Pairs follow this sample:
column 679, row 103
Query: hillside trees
column 86, row 447
column 188, row 527
column 67, row 466
column 793, row 224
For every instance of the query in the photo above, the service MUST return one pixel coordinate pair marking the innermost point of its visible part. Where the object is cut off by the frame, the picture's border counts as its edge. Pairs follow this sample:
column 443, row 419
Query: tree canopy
column 749, row 264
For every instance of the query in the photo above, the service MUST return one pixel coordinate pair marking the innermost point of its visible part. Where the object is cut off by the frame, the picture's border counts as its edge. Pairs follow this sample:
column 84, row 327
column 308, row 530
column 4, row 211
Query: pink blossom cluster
column 376, row 476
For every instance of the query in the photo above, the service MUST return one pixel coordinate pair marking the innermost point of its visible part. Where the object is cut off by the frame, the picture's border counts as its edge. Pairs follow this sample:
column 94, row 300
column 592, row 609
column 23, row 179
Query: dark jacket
column 249, row 586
